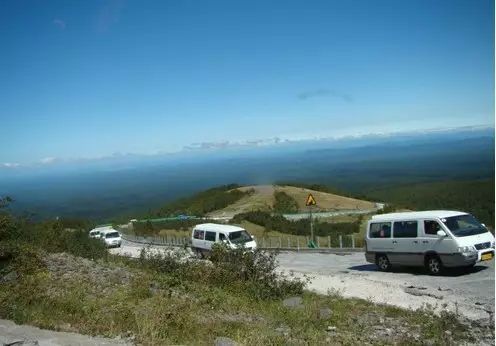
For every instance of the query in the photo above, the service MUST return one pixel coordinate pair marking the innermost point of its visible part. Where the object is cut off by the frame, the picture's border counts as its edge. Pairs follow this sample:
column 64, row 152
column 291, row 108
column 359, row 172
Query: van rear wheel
column 383, row 263
column 434, row 265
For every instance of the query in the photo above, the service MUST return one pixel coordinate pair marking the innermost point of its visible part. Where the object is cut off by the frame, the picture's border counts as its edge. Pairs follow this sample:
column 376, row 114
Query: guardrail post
column 329, row 241
column 318, row 241
column 340, row 241
column 298, row 243
column 289, row 243
column 352, row 241
column 280, row 244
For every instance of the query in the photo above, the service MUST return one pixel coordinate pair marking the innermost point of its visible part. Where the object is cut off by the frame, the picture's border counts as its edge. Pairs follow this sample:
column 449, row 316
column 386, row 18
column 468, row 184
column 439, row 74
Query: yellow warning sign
column 310, row 200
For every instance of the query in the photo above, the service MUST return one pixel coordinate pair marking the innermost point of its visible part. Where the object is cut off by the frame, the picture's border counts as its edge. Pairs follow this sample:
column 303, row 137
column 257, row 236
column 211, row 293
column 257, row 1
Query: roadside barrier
column 344, row 243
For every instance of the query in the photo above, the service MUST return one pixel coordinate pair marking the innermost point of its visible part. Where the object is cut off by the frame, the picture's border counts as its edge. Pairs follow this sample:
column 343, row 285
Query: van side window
column 431, row 227
column 198, row 234
column 405, row 229
column 222, row 236
column 210, row 236
column 380, row 230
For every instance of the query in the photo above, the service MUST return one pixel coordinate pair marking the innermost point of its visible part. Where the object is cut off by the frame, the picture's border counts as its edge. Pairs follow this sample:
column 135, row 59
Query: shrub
column 251, row 272
column 300, row 227
column 284, row 203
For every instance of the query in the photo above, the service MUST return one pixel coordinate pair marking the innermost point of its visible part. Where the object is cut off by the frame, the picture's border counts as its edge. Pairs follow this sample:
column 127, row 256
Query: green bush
column 284, row 203
column 300, row 227
column 253, row 273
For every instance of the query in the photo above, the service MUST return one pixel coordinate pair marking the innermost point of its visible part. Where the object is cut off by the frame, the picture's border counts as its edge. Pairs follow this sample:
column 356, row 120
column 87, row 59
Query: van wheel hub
column 434, row 265
column 383, row 263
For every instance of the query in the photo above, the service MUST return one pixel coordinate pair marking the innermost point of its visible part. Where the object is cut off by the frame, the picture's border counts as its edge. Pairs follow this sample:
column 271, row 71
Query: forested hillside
column 474, row 196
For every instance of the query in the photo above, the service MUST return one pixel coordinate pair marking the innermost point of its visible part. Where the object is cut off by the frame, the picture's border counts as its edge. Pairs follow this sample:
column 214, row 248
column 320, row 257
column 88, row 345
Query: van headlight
column 492, row 244
column 466, row 249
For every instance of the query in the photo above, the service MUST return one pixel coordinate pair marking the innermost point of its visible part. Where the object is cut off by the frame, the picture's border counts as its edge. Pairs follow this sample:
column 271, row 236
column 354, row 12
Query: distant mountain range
column 129, row 184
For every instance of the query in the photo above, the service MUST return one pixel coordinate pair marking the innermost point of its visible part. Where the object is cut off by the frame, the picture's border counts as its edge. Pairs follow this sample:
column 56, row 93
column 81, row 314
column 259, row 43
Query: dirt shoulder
column 14, row 334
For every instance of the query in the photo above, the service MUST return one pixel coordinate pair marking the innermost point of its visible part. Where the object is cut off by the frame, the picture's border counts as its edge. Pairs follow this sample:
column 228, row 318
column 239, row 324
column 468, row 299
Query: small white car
column 434, row 239
column 111, row 238
column 204, row 236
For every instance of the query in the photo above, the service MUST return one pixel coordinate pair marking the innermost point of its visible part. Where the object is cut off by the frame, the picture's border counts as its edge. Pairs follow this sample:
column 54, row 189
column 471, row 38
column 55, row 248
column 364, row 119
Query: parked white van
column 207, row 234
column 111, row 237
column 434, row 239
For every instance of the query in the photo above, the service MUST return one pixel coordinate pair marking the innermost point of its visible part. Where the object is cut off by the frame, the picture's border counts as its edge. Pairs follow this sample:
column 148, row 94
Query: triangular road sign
column 310, row 200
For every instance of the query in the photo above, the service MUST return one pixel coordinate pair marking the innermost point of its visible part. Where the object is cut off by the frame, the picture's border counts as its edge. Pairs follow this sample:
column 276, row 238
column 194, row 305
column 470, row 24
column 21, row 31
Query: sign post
column 310, row 202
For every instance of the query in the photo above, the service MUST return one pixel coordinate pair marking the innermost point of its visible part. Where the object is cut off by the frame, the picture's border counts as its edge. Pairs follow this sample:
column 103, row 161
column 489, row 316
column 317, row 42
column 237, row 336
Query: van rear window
column 380, row 230
column 198, row 234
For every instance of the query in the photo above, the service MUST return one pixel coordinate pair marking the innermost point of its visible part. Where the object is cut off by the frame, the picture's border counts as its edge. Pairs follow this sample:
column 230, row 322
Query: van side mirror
column 441, row 233
column 483, row 224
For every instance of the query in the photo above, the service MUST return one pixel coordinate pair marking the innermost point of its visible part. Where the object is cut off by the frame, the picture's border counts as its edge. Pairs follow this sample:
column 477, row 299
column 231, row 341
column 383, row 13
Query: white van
column 207, row 234
column 111, row 237
column 97, row 231
column 434, row 239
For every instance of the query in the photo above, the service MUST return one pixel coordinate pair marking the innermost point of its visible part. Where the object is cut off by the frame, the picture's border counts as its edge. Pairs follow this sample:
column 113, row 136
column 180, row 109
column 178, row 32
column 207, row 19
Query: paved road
column 322, row 214
column 471, row 293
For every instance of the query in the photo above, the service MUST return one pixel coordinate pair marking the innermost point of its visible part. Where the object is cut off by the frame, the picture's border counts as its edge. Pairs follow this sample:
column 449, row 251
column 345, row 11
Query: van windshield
column 240, row 237
column 112, row 235
column 464, row 225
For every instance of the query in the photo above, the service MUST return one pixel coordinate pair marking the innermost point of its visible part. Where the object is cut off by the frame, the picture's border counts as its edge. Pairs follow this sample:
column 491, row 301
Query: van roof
column 418, row 215
column 218, row 227
column 108, row 230
column 102, row 228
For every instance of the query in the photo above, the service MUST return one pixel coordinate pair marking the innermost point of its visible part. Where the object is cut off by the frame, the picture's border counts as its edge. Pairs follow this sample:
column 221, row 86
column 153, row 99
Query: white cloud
column 59, row 23
column 47, row 160
column 10, row 165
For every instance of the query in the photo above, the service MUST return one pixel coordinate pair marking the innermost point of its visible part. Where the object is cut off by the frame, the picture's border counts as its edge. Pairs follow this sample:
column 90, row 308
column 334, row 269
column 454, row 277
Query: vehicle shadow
column 450, row 272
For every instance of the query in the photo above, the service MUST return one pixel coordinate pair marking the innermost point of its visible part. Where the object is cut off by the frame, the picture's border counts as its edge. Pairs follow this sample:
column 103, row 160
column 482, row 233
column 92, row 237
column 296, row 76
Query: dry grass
column 263, row 199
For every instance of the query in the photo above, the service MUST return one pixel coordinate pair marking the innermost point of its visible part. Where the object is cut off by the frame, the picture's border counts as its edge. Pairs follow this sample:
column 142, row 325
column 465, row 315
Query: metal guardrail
column 347, row 243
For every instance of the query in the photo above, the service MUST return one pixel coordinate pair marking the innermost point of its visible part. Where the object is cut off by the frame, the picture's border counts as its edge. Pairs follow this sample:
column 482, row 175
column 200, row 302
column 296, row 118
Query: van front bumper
column 485, row 252
column 459, row 259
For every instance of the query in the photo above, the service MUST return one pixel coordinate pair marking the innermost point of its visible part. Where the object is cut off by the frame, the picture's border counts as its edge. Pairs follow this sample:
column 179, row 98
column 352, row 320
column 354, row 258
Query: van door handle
column 425, row 242
column 395, row 242
column 415, row 242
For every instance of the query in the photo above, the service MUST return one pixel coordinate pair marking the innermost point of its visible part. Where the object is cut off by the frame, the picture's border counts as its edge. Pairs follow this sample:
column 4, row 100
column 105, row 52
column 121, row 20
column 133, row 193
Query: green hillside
column 474, row 196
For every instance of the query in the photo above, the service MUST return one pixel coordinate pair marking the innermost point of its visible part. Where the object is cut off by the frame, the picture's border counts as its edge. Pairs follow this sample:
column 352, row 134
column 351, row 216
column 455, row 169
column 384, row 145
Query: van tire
column 433, row 264
column 382, row 262
column 199, row 253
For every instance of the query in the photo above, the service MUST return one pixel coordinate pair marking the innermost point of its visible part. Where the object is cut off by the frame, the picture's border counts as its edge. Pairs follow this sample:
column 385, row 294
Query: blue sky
column 84, row 79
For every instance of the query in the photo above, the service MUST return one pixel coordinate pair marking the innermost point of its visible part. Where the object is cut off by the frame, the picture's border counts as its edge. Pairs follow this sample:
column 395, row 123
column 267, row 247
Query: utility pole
column 311, row 224
column 310, row 203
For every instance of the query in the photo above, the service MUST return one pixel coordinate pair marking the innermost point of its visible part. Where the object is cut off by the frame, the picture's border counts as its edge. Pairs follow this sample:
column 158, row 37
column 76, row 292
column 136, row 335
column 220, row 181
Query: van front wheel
column 383, row 263
column 434, row 265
